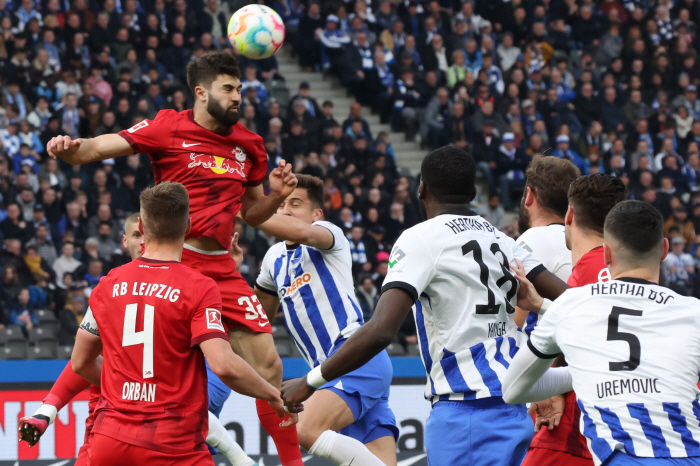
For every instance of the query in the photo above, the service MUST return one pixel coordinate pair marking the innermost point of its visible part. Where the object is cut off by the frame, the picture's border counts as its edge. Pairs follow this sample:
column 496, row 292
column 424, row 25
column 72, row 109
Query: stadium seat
column 48, row 321
column 395, row 349
column 413, row 350
column 284, row 347
column 44, row 349
column 41, row 333
column 15, row 350
column 64, row 352
column 12, row 333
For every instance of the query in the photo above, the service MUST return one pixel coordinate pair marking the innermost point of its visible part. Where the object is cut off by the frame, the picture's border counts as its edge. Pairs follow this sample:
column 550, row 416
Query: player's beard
column 523, row 217
column 225, row 116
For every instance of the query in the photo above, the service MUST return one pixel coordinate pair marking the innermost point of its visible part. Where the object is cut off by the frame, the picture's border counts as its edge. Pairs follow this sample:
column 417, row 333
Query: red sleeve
column 259, row 170
column 150, row 136
column 68, row 385
column 206, row 322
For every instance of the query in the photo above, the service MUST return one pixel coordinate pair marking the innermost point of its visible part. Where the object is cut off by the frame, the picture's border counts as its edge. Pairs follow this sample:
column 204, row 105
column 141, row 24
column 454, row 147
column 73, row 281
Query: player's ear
column 664, row 251
column 421, row 190
column 318, row 215
column 529, row 196
column 141, row 226
column 569, row 217
column 200, row 93
column 607, row 254
column 189, row 226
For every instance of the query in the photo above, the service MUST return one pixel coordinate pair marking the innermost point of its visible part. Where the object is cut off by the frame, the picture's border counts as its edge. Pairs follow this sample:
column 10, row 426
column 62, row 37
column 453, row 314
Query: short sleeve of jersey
column 265, row 282
column 150, row 136
column 542, row 339
column 206, row 322
column 257, row 174
column 411, row 265
column 339, row 239
column 533, row 267
column 89, row 324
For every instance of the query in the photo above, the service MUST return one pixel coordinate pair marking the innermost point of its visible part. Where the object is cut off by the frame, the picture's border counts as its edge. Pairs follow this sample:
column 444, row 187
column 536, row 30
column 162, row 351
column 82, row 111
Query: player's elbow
column 512, row 395
column 78, row 363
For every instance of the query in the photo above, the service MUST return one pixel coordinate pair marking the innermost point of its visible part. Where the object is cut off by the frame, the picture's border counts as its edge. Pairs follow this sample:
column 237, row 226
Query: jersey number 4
column 491, row 307
column 615, row 335
column 131, row 337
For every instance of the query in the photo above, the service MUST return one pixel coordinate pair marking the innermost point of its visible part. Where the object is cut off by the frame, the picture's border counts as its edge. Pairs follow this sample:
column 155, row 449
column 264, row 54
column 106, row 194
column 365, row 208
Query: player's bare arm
column 549, row 285
column 240, row 377
column 79, row 151
column 359, row 349
column 270, row 302
column 297, row 231
column 256, row 207
column 86, row 359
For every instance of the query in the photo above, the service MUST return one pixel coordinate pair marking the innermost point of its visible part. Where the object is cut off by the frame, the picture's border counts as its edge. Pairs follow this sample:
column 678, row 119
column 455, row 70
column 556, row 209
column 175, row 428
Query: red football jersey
column 567, row 436
column 214, row 167
column 150, row 315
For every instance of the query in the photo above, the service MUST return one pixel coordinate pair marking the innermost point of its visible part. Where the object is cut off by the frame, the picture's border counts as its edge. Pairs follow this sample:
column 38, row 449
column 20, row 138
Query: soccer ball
column 256, row 31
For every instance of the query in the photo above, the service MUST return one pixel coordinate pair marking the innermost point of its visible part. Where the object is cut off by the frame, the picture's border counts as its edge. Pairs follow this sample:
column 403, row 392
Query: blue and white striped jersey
column 316, row 292
column 633, row 350
column 456, row 266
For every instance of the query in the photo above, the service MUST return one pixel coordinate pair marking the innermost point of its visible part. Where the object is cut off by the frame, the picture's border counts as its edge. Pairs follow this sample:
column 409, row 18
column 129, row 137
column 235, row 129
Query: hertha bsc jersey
column 456, row 267
column 316, row 292
column 633, row 349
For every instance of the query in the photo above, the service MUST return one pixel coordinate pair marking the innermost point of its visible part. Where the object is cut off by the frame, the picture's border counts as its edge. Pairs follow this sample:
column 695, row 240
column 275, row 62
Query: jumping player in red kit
column 154, row 320
column 591, row 197
column 223, row 166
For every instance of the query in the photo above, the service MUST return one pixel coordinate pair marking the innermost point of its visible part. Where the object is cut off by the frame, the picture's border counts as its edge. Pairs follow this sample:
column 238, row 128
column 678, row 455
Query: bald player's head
column 634, row 237
column 132, row 239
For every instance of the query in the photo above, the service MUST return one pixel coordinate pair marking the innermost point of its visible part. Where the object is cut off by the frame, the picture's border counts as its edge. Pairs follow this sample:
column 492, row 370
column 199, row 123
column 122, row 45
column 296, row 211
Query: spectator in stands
column 367, row 296
column 22, row 312
column 678, row 268
column 65, row 264
column 493, row 211
column 512, row 163
column 94, row 273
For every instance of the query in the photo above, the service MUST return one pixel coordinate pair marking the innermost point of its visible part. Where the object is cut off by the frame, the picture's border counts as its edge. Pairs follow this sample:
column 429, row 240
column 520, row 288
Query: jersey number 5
column 131, row 337
column 614, row 335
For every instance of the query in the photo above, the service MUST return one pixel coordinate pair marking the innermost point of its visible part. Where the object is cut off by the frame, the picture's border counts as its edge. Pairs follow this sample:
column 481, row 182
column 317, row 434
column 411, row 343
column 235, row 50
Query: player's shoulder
column 276, row 250
column 544, row 234
column 241, row 132
column 168, row 114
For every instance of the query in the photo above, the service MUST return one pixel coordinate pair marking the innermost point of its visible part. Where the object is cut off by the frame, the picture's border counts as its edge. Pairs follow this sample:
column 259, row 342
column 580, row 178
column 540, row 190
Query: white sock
column 219, row 438
column 343, row 450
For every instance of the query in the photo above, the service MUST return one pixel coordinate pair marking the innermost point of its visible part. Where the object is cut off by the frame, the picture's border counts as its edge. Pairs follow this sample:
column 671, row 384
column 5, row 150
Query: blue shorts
column 478, row 433
column 366, row 392
column 623, row 459
column 218, row 392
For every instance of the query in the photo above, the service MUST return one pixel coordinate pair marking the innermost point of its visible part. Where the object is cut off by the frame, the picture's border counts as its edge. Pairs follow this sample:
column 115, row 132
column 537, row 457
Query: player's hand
column 285, row 412
column 549, row 412
column 282, row 180
column 296, row 391
column 63, row 146
column 31, row 429
column 236, row 251
column 528, row 298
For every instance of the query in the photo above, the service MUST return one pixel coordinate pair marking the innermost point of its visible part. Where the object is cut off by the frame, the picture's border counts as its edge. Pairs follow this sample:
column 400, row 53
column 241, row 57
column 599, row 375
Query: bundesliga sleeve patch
column 214, row 319
column 138, row 126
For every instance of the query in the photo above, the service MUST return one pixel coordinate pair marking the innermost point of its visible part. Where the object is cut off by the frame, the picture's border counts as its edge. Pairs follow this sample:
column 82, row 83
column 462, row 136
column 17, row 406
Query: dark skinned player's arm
column 549, row 285
column 269, row 301
column 373, row 337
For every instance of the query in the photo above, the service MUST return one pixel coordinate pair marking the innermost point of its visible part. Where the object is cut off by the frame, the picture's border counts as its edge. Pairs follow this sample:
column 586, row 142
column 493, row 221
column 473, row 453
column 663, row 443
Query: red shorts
column 241, row 307
column 106, row 451
column 83, row 455
column 546, row 457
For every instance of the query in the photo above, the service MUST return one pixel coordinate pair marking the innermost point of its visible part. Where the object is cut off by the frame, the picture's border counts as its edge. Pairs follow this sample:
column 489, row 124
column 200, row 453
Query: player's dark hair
column 637, row 226
column 549, row 179
column 204, row 70
column 592, row 197
column 448, row 173
column 314, row 189
column 165, row 210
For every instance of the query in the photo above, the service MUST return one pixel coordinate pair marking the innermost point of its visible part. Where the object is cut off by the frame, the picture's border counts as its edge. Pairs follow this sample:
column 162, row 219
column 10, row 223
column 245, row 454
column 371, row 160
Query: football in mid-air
column 256, row 31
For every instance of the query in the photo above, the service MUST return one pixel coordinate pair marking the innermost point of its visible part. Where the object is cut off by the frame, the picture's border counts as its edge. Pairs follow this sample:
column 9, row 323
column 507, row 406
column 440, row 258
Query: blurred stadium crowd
column 612, row 85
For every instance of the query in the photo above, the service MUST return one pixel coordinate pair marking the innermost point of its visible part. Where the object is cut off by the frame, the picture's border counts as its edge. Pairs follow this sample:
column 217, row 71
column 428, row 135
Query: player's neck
column 433, row 209
column 204, row 119
column 542, row 218
column 648, row 274
column 582, row 243
column 163, row 251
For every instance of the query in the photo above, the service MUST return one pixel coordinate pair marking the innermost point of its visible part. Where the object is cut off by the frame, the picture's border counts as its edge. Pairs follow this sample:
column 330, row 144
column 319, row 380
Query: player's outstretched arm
column 85, row 358
column 292, row 229
column 256, row 207
column 358, row 350
column 529, row 378
column 79, row 151
column 238, row 375
column 67, row 386
column 549, row 285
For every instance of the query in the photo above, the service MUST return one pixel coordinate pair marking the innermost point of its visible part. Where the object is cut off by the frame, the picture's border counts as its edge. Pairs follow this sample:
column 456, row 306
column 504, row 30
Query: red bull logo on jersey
column 218, row 165
column 295, row 285
column 214, row 319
